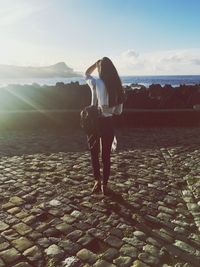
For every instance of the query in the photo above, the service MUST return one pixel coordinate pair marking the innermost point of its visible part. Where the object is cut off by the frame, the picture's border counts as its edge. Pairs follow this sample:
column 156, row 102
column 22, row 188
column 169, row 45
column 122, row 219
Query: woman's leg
column 107, row 139
column 94, row 146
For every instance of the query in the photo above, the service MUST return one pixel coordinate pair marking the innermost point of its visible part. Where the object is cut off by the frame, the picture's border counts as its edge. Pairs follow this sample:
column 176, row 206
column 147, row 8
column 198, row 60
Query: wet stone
column 10, row 234
column 3, row 226
column 22, row 243
column 75, row 235
column 180, row 230
column 22, row 228
column 29, row 220
column 70, row 247
column 129, row 251
column 33, row 253
column 110, row 254
column 71, row 262
column 16, row 200
column 4, row 245
column 164, row 216
column 134, row 242
column 153, row 250
column 140, row 235
column 154, row 242
column 166, row 210
column 138, row 263
column 76, row 213
column 87, row 256
column 149, row 259
column 2, row 264
column 52, row 232
column 44, row 242
column 103, row 263
column 123, row 261
column 55, row 203
column 85, row 240
column 164, row 236
column 14, row 210
column 54, row 250
column 114, row 241
column 68, row 219
column 116, row 232
column 64, row 228
column 7, row 206
column 186, row 247
column 10, row 255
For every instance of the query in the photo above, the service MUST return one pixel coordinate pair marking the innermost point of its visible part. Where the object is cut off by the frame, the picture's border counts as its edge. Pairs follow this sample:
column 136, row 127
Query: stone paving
column 48, row 216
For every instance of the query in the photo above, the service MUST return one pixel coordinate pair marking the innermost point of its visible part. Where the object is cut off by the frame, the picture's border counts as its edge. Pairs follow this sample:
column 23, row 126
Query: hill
column 57, row 70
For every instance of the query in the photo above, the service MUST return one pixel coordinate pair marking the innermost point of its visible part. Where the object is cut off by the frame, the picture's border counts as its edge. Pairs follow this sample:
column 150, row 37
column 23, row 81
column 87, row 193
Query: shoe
column 104, row 189
column 97, row 187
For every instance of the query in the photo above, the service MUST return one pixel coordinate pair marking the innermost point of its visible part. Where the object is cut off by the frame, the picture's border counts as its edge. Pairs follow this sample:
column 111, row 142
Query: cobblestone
column 48, row 216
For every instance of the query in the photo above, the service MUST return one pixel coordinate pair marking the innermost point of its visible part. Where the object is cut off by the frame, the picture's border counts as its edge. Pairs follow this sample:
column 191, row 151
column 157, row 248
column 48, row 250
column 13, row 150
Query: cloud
column 170, row 62
column 130, row 54
column 14, row 11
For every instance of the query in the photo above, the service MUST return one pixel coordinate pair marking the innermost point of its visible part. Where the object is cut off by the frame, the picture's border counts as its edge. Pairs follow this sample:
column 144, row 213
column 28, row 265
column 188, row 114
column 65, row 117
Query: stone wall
column 67, row 119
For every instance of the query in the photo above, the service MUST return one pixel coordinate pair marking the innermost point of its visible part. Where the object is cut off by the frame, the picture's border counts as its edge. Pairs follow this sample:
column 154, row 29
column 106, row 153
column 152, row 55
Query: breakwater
column 66, row 119
column 59, row 106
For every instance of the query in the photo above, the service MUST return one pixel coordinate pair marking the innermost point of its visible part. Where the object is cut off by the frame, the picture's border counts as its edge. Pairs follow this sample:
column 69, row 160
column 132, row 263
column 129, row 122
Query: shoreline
column 127, row 80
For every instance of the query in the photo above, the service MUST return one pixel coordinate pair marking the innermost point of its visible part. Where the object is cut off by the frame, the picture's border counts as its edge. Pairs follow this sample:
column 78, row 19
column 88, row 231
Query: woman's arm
column 91, row 68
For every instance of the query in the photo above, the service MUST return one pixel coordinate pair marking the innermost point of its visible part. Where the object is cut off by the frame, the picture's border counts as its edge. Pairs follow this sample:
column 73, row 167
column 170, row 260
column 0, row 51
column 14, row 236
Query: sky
column 142, row 37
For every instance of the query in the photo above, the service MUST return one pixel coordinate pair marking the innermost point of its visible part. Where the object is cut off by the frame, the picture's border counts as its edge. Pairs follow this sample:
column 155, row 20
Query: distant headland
column 57, row 70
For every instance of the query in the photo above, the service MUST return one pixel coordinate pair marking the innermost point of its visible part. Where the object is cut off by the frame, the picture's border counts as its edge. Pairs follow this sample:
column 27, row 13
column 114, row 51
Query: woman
column 107, row 92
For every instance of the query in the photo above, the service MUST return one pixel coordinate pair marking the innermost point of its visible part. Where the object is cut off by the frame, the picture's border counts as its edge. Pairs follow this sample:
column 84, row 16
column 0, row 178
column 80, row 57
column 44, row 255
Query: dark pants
column 106, row 134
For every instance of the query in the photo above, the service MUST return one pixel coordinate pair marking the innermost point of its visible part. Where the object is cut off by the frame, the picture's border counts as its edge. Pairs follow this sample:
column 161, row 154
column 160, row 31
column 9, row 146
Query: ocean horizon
column 146, row 80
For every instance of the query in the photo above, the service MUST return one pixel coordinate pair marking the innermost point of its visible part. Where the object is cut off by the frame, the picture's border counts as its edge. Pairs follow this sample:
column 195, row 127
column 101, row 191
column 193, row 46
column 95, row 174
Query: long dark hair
column 108, row 73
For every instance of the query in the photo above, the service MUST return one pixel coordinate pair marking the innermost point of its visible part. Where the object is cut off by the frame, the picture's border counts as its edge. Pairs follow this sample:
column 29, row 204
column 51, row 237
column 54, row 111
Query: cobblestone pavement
column 48, row 216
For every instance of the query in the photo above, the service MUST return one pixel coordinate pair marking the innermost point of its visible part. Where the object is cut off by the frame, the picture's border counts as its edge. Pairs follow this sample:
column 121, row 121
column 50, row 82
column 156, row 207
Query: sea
column 174, row 80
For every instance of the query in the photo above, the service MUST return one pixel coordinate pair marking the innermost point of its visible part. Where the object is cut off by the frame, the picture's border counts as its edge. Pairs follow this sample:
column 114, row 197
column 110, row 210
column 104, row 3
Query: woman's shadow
column 134, row 216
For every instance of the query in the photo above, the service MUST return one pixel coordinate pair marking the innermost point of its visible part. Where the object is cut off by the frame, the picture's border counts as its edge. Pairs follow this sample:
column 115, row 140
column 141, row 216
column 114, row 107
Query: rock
column 3, row 226
column 87, row 256
column 71, row 262
column 138, row 263
column 22, row 243
column 103, row 263
column 76, row 213
column 123, row 261
column 2, row 264
column 70, row 247
column 129, row 251
column 69, row 219
column 85, row 240
column 134, row 242
column 10, row 256
column 55, row 203
column 154, row 251
column 186, row 247
column 10, row 234
column 110, row 254
column 140, row 235
column 149, row 259
column 4, row 245
column 33, row 253
column 64, row 228
column 16, row 200
column 75, row 235
column 114, row 241
column 22, row 228
column 54, row 250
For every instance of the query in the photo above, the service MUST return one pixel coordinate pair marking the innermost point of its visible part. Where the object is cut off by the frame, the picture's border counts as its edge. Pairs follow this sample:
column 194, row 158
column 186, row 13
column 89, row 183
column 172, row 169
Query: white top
column 100, row 93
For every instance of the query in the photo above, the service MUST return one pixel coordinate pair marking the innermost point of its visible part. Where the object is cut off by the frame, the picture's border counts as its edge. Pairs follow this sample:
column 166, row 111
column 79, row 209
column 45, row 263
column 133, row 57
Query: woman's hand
column 92, row 68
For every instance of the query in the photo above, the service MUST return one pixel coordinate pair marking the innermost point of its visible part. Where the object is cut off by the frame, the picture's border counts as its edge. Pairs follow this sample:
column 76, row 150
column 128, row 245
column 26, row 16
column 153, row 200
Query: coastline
column 146, row 80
